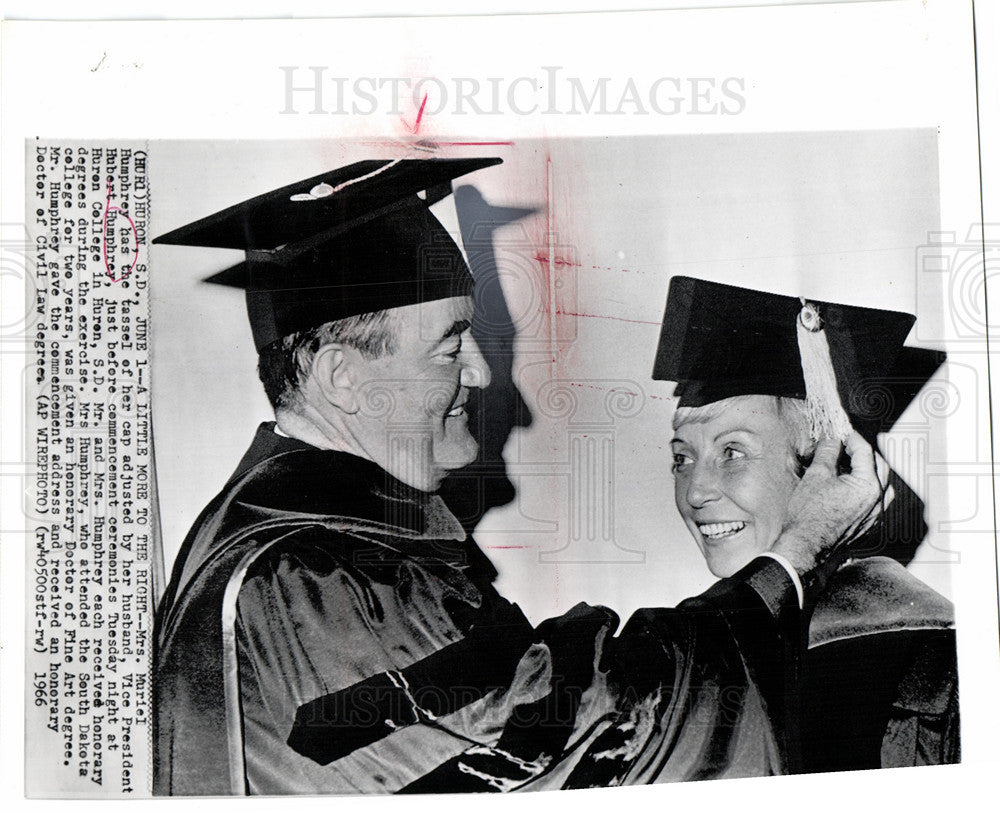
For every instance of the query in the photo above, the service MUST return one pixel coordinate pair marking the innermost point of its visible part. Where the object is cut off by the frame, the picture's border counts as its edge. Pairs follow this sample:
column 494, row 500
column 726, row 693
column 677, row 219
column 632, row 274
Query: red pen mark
column 430, row 146
column 603, row 389
column 615, row 318
column 557, row 262
column 560, row 263
column 550, row 277
column 108, row 209
column 473, row 143
column 420, row 115
column 509, row 547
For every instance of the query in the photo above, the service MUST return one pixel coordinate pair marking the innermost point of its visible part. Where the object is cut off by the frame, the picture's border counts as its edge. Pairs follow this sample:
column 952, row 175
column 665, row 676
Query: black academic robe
column 328, row 629
column 879, row 679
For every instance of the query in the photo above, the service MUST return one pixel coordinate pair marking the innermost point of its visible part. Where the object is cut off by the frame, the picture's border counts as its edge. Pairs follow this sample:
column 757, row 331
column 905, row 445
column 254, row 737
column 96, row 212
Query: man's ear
column 334, row 371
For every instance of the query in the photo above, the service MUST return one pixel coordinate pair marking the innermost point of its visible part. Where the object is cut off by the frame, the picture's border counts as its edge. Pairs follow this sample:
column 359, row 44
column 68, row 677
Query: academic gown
column 329, row 630
column 879, row 679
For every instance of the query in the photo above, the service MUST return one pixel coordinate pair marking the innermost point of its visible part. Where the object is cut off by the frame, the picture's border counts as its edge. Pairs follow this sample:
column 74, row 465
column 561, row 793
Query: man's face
column 733, row 477
column 412, row 402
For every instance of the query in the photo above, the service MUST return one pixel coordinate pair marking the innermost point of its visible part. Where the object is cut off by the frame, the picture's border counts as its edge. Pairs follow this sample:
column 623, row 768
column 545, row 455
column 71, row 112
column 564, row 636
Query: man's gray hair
column 284, row 365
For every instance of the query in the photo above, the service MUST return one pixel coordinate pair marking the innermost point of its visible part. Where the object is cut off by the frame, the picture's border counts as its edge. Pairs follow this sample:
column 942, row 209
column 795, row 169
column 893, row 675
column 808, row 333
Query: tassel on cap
column 721, row 341
column 822, row 397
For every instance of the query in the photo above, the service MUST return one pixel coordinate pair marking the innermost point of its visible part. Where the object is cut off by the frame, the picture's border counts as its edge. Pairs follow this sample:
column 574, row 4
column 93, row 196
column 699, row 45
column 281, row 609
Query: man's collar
column 286, row 474
column 266, row 444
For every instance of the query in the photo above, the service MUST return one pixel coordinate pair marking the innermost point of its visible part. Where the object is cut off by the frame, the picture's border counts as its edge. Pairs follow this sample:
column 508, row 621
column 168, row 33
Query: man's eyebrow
column 456, row 329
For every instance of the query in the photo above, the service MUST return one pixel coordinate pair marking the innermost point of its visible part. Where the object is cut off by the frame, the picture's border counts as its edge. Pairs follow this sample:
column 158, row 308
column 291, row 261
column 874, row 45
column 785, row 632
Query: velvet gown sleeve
column 374, row 674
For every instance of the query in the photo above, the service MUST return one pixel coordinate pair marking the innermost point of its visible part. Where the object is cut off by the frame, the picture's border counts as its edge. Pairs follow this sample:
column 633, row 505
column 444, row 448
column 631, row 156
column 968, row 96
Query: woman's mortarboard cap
column 719, row 341
column 355, row 240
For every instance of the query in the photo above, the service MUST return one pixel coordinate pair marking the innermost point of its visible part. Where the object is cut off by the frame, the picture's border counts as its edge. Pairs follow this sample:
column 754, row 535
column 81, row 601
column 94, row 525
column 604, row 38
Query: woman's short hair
column 791, row 411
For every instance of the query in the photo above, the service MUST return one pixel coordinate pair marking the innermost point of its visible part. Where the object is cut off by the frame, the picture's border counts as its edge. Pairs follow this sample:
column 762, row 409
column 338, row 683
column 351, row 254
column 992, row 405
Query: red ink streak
column 508, row 547
column 545, row 261
column 614, row 318
column 603, row 389
column 431, row 145
column 387, row 142
column 108, row 209
column 541, row 258
column 420, row 114
column 474, row 143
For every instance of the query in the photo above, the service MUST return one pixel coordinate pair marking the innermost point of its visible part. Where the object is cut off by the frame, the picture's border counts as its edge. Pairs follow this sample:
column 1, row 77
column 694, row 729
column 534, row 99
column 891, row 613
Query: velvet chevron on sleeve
column 328, row 630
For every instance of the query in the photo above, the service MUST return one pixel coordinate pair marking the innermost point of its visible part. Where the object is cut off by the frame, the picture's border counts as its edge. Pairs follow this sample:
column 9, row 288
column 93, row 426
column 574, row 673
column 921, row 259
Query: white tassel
column 822, row 398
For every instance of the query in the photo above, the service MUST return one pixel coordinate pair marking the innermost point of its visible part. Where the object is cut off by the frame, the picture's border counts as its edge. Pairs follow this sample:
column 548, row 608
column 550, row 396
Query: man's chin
column 455, row 455
column 454, row 463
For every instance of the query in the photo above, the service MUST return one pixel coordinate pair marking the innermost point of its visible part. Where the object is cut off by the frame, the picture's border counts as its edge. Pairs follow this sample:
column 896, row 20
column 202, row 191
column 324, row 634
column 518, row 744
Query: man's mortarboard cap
column 720, row 341
column 355, row 240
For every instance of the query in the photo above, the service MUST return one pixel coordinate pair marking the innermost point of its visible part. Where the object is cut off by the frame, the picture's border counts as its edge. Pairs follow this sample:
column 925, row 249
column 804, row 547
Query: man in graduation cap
column 760, row 377
column 329, row 627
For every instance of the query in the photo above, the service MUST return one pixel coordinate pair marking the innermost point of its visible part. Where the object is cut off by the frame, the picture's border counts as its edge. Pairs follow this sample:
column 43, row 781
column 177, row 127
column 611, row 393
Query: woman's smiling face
column 734, row 472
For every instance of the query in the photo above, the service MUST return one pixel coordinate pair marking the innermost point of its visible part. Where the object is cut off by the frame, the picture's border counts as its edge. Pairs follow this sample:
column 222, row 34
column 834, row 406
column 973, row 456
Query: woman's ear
column 333, row 370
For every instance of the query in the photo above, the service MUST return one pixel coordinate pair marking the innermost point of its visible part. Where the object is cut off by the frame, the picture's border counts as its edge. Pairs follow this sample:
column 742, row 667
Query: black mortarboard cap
column 720, row 341
column 877, row 402
column 355, row 240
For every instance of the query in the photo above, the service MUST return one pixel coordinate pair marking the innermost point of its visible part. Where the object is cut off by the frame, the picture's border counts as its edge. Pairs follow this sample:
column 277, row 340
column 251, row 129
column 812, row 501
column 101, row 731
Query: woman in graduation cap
column 760, row 377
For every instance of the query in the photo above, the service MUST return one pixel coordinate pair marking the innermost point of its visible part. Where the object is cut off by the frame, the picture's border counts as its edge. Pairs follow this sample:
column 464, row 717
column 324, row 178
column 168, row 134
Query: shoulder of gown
column 873, row 596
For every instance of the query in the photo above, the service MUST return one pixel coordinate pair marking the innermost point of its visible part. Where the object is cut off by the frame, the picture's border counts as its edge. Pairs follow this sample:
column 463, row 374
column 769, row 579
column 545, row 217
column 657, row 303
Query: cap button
column 810, row 318
column 321, row 190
